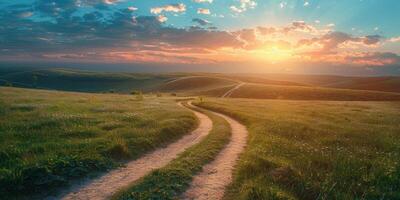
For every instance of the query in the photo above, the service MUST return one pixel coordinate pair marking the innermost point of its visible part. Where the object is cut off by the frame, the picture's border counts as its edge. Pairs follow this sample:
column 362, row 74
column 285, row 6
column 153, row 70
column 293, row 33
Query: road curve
column 215, row 176
column 105, row 186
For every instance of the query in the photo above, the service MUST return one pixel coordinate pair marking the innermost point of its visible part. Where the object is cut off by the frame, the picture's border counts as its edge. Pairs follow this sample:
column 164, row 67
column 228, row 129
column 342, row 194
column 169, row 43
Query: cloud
column 132, row 8
column 295, row 26
column 162, row 18
column 203, row 1
column 282, row 4
column 331, row 25
column 201, row 22
column 302, row 26
column 121, row 34
column 56, row 7
column 96, row 32
column 111, row 1
column 169, row 8
column 203, row 11
column 394, row 39
column 374, row 59
column 25, row 14
column 332, row 40
column 267, row 30
column 244, row 6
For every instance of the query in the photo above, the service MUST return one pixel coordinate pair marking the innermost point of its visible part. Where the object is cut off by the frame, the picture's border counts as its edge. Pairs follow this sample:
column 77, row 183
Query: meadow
column 261, row 91
column 83, row 81
column 315, row 149
column 336, row 145
column 49, row 138
column 261, row 86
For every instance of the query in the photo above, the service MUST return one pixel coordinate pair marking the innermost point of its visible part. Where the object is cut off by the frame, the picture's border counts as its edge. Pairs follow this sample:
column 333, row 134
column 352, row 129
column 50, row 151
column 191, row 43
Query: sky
column 357, row 37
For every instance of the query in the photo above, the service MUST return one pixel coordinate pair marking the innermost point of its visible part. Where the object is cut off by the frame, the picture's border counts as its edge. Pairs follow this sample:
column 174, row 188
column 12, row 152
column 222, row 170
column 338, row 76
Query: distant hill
column 84, row 81
column 262, row 91
column 197, row 84
column 386, row 84
column 258, row 86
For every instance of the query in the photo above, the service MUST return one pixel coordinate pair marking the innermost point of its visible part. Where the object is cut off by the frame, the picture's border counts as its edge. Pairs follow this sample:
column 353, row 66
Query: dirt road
column 105, row 186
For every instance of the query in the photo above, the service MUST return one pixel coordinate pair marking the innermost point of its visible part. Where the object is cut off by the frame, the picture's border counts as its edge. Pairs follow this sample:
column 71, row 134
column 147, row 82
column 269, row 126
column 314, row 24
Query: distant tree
column 35, row 81
column 111, row 91
column 8, row 84
column 135, row 92
column 201, row 99
column 158, row 94
column 173, row 94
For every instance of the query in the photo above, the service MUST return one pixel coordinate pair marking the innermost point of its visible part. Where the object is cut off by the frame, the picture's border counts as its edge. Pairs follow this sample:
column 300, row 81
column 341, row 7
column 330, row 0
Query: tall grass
column 316, row 149
column 49, row 138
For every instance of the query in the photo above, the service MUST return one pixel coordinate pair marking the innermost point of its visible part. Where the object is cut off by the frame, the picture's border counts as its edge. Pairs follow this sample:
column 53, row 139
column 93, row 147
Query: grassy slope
column 386, row 84
column 259, row 91
column 48, row 138
column 213, row 86
column 197, row 84
column 259, row 79
column 389, row 84
column 84, row 81
column 267, row 86
column 171, row 181
column 316, row 150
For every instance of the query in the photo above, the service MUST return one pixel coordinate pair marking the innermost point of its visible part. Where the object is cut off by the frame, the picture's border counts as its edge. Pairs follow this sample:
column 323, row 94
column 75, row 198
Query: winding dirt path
column 212, row 181
column 229, row 92
column 105, row 186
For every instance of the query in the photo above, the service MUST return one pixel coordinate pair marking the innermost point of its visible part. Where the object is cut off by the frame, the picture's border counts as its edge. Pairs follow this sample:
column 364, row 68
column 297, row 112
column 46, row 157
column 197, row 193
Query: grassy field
column 316, row 149
column 85, row 81
column 262, row 86
column 197, row 84
column 172, row 180
column 261, row 91
column 383, row 83
column 49, row 138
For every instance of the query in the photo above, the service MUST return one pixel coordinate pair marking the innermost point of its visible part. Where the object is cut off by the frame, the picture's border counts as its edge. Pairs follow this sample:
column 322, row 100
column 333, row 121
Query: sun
column 274, row 54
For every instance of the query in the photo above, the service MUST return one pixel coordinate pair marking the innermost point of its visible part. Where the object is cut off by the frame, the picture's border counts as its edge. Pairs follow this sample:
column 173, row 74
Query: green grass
column 380, row 83
column 85, row 81
column 197, row 84
column 316, row 149
column 49, row 138
column 262, row 86
column 172, row 180
column 261, row 91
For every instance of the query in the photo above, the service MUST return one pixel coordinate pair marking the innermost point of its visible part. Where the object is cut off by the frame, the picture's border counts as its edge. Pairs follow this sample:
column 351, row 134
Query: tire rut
column 217, row 175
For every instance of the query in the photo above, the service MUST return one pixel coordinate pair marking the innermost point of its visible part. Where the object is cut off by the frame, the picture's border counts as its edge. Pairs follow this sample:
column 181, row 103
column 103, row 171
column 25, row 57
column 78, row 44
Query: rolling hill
column 85, row 81
column 198, row 85
column 261, row 86
column 262, row 91
column 385, row 84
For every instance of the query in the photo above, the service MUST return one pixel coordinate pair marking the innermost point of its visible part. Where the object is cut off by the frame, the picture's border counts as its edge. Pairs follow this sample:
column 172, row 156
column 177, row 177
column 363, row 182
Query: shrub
column 136, row 92
column 119, row 151
column 8, row 84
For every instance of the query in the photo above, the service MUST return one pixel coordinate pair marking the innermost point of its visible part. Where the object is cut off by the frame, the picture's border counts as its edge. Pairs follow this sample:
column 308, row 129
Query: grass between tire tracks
column 172, row 180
